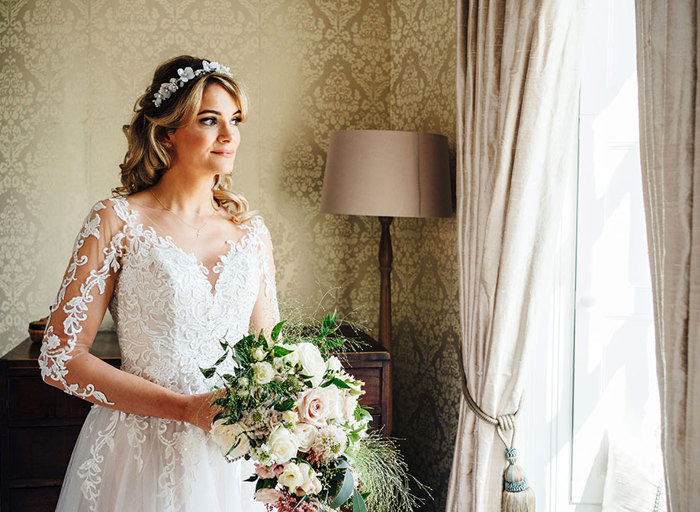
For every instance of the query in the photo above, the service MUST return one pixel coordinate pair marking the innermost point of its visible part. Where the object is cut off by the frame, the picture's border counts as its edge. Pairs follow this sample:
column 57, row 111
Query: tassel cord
column 518, row 496
column 502, row 423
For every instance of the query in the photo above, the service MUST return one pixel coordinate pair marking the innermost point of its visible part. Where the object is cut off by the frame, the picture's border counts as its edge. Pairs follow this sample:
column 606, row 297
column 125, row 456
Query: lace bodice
column 169, row 315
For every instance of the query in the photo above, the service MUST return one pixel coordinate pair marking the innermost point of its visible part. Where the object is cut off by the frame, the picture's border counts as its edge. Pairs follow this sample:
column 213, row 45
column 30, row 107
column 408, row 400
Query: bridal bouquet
column 293, row 410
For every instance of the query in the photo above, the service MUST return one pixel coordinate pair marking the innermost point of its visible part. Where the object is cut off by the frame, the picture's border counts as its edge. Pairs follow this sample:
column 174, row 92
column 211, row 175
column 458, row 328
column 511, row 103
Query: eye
column 236, row 121
column 209, row 121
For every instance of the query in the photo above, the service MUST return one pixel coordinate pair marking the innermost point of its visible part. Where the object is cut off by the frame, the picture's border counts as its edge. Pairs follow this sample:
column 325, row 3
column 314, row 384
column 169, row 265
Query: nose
column 226, row 132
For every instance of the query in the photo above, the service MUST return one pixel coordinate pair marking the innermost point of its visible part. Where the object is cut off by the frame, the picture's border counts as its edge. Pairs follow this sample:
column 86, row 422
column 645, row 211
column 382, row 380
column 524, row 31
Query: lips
column 228, row 154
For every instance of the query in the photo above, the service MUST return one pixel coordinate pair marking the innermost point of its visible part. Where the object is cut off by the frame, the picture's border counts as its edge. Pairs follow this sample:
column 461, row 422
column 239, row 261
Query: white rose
column 226, row 436
column 268, row 496
column 278, row 362
column 334, row 364
column 291, row 477
column 259, row 354
column 349, row 406
column 290, row 417
column 306, row 435
column 312, row 363
column 311, row 484
column 293, row 357
column 263, row 373
column 335, row 400
column 312, row 406
column 283, row 445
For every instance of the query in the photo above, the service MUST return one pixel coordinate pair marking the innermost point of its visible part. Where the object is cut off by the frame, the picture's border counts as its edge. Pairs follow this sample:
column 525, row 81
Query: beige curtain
column 517, row 94
column 667, row 62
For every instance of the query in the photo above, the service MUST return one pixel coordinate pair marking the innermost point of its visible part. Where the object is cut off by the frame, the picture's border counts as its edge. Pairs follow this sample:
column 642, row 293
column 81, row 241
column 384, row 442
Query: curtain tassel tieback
column 518, row 496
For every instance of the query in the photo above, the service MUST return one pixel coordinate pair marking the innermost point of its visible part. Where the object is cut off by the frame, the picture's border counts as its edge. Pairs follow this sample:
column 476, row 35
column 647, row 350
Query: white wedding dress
column 170, row 314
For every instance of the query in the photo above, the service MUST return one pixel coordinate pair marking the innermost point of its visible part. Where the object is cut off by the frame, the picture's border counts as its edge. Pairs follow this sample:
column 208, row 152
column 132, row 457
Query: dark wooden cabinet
column 39, row 424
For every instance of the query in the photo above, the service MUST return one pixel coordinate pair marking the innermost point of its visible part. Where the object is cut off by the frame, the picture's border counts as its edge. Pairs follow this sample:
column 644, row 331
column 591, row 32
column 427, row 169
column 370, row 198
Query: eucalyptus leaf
column 358, row 503
column 345, row 490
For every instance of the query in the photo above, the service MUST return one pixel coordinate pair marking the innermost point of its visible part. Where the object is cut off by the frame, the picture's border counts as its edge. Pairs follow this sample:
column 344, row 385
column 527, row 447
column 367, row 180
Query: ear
column 166, row 140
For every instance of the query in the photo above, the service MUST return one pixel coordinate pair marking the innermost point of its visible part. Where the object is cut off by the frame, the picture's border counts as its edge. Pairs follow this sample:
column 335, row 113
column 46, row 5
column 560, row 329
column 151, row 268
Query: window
column 601, row 403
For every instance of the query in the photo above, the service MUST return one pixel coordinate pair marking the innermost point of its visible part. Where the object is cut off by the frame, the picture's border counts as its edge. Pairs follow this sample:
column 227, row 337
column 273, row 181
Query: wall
column 70, row 72
column 425, row 278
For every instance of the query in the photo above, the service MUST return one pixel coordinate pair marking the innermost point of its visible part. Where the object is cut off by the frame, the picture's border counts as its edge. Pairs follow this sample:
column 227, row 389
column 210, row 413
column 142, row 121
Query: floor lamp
column 387, row 174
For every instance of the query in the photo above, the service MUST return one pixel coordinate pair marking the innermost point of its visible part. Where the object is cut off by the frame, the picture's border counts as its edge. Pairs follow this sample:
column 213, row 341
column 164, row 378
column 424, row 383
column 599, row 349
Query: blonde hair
column 147, row 159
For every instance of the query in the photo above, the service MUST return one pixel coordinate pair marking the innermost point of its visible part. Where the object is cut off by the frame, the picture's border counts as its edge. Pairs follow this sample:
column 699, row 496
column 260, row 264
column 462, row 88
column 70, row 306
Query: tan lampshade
column 387, row 173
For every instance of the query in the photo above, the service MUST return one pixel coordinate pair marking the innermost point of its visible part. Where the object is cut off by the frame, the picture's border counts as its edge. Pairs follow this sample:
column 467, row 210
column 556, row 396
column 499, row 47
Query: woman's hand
column 199, row 410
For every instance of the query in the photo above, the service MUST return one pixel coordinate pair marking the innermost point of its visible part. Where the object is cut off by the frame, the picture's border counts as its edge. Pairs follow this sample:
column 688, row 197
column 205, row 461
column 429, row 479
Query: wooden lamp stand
column 386, row 258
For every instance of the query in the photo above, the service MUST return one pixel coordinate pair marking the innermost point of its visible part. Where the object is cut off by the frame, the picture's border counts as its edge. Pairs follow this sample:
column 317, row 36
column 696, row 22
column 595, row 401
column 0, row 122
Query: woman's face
column 208, row 144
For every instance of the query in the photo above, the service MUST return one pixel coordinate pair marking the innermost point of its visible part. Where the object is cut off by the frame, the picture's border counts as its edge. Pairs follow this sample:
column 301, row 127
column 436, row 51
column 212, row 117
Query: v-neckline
column 202, row 269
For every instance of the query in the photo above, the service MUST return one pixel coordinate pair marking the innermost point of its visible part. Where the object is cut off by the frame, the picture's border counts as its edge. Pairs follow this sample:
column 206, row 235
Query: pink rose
column 273, row 471
column 312, row 406
column 268, row 496
column 311, row 483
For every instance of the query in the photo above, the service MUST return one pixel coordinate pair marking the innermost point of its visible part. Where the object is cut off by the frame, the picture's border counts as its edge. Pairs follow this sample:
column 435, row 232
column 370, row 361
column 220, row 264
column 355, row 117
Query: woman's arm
column 265, row 313
column 85, row 292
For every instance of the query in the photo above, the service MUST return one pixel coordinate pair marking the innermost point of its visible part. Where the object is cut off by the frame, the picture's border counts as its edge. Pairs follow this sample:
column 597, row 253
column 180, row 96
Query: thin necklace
column 197, row 229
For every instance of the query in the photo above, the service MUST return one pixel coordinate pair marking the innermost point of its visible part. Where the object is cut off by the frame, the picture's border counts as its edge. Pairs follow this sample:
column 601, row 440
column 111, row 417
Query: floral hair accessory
column 168, row 88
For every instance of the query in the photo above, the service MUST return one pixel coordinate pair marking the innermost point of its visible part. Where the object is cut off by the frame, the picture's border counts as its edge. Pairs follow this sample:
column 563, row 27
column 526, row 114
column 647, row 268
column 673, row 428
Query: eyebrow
column 216, row 112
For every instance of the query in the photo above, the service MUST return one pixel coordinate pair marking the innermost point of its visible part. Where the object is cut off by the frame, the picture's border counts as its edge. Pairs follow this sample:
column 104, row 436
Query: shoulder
column 257, row 224
column 105, row 216
column 257, row 229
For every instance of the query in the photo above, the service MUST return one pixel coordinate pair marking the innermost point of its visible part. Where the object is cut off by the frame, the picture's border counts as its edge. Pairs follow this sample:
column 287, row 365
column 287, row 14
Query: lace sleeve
column 82, row 299
column 266, row 310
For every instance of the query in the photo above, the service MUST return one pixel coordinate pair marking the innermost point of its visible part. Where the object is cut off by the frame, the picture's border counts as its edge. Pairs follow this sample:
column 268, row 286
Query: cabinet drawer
column 36, row 499
column 372, row 377
column 31, row 399
column 376, row 422
column 40, row 452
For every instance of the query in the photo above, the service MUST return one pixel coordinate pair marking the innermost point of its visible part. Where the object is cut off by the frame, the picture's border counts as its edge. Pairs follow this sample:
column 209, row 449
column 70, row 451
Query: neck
column 184, row 194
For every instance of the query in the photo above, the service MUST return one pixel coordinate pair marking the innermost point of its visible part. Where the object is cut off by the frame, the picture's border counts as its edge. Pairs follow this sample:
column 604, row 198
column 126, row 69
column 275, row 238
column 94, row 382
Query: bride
column 182, row 264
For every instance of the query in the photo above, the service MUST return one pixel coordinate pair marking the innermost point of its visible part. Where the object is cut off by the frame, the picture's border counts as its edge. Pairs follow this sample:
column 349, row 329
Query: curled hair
column 147, row 159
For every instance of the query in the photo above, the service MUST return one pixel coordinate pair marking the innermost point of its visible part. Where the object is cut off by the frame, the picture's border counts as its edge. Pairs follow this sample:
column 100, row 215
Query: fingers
column 204, row 410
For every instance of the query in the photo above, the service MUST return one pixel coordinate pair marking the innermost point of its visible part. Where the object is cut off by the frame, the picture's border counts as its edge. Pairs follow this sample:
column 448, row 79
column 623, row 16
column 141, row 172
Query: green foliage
column 384, row 475
column 265, row 483
column 208, row 372
column 281, row 351
column 358, row 503
column 345, row 489
column 337, row 382
column 276, row 330
column 384, row 481
column 287, row 405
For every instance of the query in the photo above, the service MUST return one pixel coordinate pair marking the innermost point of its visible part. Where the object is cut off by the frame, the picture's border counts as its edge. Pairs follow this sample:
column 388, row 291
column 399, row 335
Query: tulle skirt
column 126, row 462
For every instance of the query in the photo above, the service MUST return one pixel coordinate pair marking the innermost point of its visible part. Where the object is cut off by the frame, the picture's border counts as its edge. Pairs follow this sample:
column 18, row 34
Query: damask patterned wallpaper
column 70, row 71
